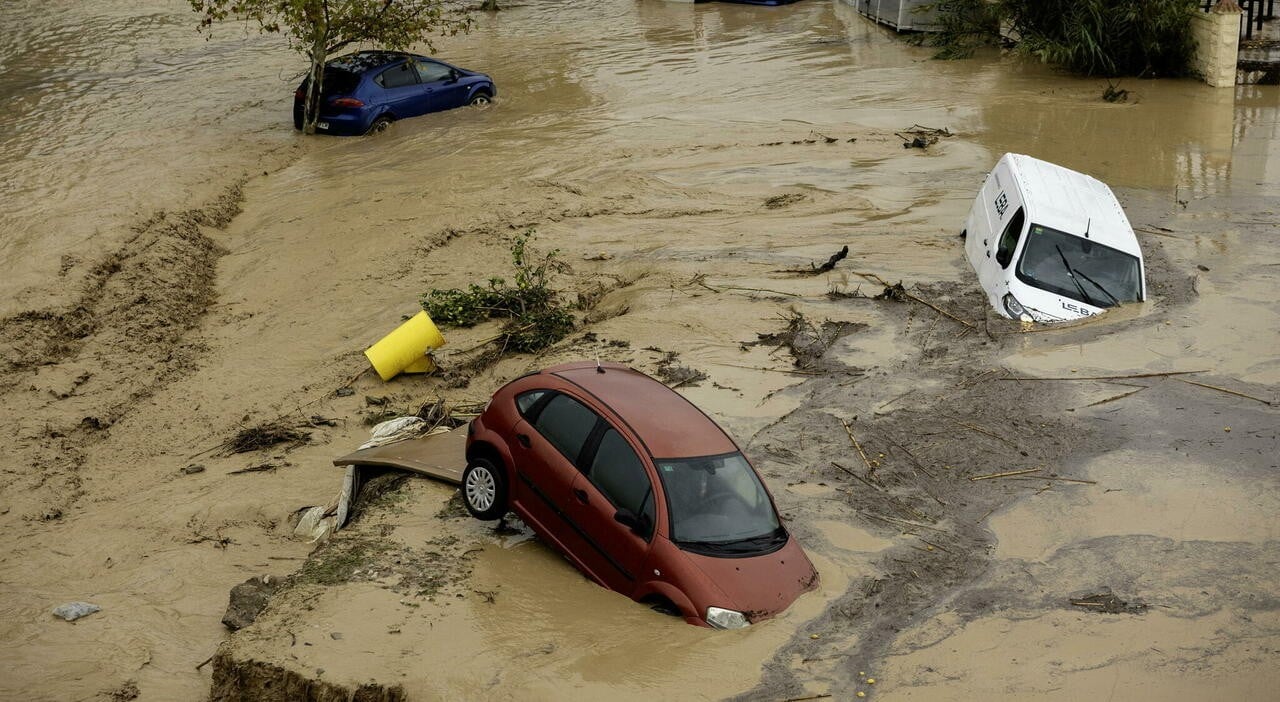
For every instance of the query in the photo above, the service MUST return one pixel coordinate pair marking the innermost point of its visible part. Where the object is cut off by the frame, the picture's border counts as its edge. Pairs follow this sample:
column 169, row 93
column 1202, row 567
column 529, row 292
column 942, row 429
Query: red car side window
column 617, row 471
column 566, row 423
column 526, row 402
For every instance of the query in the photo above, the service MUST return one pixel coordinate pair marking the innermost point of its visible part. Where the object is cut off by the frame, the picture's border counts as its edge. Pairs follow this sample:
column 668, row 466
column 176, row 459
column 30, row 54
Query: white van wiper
column 1071, row 273
column 1096, row 284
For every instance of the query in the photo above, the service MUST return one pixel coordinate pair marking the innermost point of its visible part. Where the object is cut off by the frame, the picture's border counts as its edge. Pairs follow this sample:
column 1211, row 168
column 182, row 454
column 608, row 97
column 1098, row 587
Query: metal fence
column 1255, row 13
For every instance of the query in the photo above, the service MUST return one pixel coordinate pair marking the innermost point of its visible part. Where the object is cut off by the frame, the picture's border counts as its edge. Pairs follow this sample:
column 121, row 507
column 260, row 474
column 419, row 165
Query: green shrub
column 1106, row 37
column 1095, row 37
column 536, row 316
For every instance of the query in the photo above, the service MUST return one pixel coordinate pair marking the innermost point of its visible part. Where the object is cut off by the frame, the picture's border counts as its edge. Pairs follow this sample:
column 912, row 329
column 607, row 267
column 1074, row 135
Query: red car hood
column 760, row 586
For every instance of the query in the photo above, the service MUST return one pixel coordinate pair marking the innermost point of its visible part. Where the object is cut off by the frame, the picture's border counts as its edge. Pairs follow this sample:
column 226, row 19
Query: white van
column 1050, row 244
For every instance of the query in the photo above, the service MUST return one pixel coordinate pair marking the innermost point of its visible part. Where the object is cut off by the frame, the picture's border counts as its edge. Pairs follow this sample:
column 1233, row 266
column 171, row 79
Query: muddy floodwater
column 176, row 263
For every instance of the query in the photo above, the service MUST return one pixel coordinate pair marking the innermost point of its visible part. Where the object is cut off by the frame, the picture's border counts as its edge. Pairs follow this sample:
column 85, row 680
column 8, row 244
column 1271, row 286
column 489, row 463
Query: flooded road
column 656, row 142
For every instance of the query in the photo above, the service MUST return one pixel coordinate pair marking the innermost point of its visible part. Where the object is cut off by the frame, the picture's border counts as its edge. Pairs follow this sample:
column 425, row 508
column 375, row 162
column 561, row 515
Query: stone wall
column 1217, row 36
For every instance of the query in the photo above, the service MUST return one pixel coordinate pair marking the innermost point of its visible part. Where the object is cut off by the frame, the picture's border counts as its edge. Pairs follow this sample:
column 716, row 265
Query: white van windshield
column 718, row 505
column 1078, row 268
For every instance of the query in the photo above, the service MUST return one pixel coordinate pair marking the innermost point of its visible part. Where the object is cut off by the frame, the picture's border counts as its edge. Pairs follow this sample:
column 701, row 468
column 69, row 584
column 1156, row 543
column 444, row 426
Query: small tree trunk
column 315, row 87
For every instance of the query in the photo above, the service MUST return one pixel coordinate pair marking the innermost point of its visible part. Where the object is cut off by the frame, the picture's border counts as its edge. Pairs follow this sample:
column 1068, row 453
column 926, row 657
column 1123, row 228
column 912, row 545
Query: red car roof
column 670, row 425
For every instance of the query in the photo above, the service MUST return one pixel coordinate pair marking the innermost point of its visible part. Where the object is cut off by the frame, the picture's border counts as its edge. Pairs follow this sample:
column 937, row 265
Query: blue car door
column 444, row 90
column 401, row 91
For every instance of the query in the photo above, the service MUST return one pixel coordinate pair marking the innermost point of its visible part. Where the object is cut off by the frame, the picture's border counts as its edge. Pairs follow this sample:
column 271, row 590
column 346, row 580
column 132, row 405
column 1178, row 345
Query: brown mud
column 955, row 501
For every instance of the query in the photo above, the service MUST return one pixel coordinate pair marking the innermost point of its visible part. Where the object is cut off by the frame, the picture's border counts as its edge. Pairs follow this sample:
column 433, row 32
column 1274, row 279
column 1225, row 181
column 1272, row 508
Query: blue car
column 366, row 91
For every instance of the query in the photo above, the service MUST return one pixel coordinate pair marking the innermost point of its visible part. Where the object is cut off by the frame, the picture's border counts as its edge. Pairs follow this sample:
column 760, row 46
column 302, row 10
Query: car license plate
column 322, row 125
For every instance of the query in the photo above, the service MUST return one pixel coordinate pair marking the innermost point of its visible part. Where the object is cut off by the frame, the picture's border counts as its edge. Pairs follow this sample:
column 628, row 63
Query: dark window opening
column 718, row 506
column 618, row 472
column 397, row 76
column 430, row 71
column 1009, row 239
column 1083, row 270
column 525, row 401
column 566, row 423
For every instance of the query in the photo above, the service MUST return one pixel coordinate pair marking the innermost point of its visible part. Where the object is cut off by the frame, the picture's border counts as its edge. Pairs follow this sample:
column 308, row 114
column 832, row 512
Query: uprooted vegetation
column 536, row 313
column 675, row 374
column 265, row 435
column 807, row 341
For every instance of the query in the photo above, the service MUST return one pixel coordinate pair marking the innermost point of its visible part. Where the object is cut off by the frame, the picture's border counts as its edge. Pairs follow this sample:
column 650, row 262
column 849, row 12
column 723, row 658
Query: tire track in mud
column 68, row 375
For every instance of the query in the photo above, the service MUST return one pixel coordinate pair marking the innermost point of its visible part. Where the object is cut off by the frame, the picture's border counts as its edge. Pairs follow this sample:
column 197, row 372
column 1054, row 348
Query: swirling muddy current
column 178, row 263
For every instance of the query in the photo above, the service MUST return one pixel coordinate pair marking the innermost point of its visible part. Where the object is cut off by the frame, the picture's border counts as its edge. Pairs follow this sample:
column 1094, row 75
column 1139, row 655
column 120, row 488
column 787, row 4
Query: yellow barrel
column 404, row 350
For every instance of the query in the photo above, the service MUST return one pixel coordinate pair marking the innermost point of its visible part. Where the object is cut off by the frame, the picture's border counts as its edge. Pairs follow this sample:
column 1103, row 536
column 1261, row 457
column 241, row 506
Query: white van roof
column 1068, row 201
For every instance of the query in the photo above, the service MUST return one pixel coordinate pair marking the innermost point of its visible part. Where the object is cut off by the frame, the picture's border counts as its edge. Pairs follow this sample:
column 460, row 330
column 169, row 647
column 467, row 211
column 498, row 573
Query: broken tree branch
column 870, row 468
column 875, row 278
column 1005, row 474
column 1104, row 377
column 1229, row 392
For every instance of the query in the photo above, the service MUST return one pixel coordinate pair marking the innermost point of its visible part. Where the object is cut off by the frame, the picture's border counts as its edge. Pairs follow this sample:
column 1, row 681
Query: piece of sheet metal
column 440, row 456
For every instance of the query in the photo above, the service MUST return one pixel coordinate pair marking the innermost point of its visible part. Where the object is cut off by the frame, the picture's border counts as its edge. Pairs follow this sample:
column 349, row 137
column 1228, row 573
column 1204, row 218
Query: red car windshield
column 717, row 504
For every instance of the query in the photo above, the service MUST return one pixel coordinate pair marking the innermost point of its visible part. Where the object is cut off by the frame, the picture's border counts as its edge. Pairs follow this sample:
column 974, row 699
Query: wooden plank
column 440, row 456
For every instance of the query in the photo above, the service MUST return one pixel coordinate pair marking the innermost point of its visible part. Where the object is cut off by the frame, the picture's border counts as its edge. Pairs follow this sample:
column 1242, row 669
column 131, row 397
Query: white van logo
column 1002, row 204
column 1077, row 309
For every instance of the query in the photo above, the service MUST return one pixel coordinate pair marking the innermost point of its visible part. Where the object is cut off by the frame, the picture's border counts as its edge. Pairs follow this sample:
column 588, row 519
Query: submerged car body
column 644, row 493
column 367, row 90
column 1050, row 244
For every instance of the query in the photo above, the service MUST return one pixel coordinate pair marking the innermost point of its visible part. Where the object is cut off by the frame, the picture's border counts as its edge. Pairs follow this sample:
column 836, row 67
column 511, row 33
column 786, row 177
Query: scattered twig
column 914, row 460
column 763, row 290
column 204, row 662
column 926, row 303
column 810, row 697
column 1105, row 377
column 770, row 370
column 980, row 430
column 868, row 483
column 260, row 468
column 1113, row 398
column 1229, row 392
column 902, row 522
column 899, row 397
column 940, row 547
column 870, row 468
column 1005, row 474
column 354, row 378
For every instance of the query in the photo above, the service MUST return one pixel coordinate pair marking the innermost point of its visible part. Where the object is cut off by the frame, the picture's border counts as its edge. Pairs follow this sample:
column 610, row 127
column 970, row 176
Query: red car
column 641, row 490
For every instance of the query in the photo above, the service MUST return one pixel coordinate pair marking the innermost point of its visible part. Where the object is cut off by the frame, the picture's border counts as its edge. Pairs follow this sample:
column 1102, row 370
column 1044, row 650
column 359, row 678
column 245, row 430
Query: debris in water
column 918, row 137
column 265, row 435
column 1108, row 603
column 808, row 342
column 894, row 292
column 831, row 262
column 72, row 611
column 674, row 374
column 247, row 600
column 1113, row 93
column 777, row 202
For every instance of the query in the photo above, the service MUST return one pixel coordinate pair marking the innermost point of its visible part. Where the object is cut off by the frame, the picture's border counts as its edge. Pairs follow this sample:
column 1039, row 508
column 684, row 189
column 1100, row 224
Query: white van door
column 1007, row 217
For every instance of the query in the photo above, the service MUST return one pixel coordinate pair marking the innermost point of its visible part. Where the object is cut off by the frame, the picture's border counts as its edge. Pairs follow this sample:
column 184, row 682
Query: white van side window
column 1009, row 239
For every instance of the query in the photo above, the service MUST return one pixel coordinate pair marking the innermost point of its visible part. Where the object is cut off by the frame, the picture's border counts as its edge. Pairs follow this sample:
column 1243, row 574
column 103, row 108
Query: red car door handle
column 581, row 495
column 523, row 439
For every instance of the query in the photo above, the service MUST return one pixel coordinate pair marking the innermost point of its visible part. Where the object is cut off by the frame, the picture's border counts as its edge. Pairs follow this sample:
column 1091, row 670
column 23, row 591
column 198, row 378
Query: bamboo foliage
column 1145, row 38
column 1106, row 37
